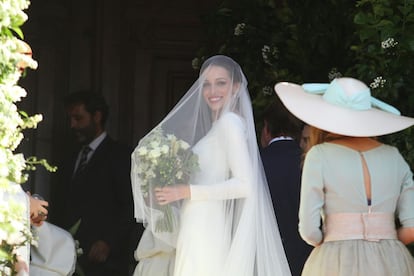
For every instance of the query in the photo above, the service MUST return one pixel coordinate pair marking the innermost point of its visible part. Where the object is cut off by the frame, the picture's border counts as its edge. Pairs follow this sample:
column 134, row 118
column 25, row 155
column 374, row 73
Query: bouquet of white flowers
column 163, row 160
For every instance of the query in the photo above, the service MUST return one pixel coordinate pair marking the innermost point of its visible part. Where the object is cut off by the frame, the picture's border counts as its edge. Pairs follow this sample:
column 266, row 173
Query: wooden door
column 136, row 53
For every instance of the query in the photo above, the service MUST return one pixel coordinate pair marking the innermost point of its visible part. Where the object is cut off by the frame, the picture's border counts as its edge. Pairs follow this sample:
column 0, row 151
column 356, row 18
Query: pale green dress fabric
column 333, row 183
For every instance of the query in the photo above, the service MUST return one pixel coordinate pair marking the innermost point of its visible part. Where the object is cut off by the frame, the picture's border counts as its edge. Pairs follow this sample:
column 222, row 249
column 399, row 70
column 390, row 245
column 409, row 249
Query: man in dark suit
column 281, row 156
column 97, row 190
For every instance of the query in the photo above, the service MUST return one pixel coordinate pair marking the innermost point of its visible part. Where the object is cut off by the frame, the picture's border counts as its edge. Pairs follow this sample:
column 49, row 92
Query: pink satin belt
column 359, row 226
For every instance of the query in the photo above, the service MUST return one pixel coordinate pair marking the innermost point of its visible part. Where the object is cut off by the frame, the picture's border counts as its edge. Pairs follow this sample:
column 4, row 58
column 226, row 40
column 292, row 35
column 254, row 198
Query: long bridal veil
column 255, row 246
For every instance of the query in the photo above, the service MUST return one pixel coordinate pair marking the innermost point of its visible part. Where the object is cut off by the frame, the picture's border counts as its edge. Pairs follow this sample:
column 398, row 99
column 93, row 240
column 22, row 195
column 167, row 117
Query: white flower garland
column 14, row 228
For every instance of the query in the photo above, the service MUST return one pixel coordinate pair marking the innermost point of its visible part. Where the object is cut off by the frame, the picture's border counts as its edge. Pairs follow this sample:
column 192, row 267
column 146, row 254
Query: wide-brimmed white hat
column 344, row 106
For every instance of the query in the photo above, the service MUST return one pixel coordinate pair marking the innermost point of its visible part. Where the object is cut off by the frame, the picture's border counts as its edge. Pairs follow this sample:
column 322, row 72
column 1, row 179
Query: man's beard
column 85, row 135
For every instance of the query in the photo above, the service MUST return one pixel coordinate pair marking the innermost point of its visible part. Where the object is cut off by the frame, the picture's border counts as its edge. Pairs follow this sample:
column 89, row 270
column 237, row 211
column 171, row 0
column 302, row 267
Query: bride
column 226, row 223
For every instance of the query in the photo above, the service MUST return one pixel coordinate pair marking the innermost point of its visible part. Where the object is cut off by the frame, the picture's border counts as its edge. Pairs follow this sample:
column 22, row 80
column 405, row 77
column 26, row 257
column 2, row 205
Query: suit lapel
column 99, row 152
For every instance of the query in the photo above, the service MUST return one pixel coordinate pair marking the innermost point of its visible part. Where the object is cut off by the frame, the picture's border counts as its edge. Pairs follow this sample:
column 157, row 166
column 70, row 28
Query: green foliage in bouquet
column 164, row 160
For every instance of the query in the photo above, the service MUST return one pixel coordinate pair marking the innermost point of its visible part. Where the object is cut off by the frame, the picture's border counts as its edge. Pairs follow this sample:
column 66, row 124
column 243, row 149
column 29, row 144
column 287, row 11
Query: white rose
column 142, row 151
column 155, row 153
column 150, row 174
column 179, row 174
column 165, row 149
column 3, row 235
column 154, row 144
column 184, row 145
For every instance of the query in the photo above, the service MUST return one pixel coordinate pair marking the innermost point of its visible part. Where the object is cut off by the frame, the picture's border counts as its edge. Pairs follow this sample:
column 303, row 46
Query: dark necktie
column 83, row 159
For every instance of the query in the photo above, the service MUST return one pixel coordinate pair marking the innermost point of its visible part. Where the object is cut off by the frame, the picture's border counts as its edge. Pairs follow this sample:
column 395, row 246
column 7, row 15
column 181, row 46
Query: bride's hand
column 168, row 194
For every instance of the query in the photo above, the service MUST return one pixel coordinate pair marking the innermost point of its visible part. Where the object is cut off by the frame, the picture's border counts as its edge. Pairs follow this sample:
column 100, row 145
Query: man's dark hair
column 280, row 122
column 93, row 102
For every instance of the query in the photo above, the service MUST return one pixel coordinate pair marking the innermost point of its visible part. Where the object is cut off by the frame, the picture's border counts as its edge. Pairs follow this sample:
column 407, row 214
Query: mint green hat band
column 333, row 93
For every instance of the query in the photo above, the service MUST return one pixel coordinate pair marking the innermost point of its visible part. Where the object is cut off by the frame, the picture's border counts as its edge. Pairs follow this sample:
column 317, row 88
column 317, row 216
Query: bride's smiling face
column 217, row 87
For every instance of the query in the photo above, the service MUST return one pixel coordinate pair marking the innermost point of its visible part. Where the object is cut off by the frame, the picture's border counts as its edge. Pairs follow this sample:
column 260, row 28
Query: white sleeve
column 238, row 161
column 405, row 205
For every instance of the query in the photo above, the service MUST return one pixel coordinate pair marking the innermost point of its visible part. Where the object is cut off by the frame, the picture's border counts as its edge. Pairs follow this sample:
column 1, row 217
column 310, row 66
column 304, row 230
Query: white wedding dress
column 206, row 230
column 204, row 239
column 227, row 227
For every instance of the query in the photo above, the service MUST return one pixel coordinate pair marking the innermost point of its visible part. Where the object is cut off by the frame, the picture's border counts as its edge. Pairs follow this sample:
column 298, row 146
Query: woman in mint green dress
column 354, row 188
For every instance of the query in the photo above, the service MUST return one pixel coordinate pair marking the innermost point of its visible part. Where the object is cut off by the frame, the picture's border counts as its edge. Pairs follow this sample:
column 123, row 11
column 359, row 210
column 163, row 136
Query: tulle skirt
column 160, row 265
column 155, row 258
column 360, row 258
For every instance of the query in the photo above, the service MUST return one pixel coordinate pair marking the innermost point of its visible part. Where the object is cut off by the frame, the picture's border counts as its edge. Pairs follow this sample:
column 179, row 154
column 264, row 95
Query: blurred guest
column 281, row 156
column 304, row 138
column 96, row 189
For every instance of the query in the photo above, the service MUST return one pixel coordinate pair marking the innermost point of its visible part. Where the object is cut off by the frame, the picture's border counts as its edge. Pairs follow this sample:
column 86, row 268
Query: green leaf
column 360, row 18
column 411, row 45
column 74, row 228
column 18, row 31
